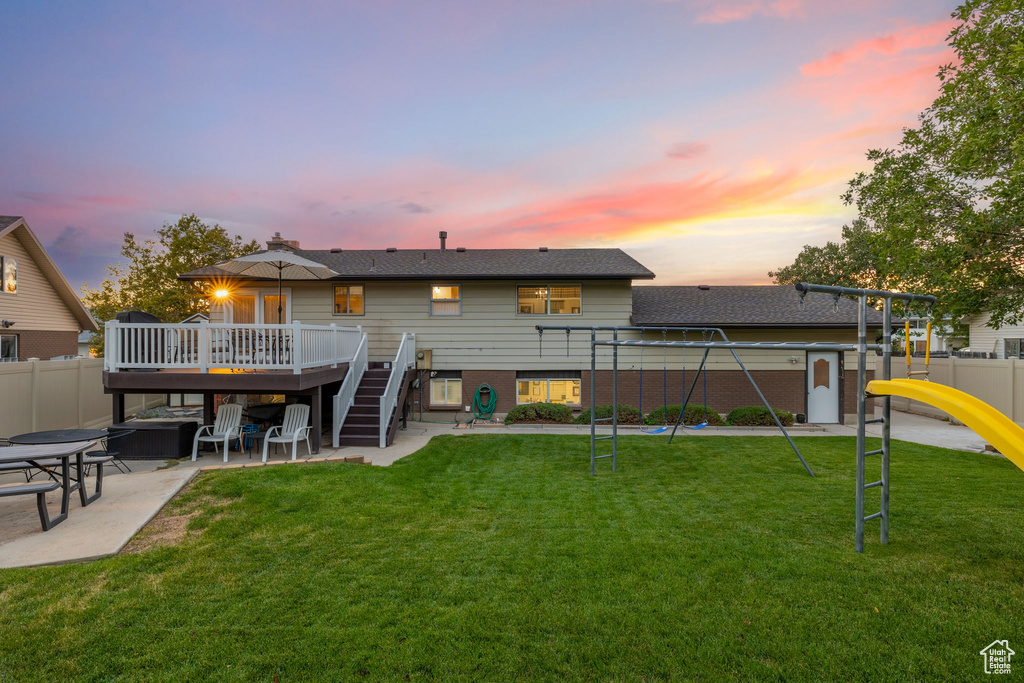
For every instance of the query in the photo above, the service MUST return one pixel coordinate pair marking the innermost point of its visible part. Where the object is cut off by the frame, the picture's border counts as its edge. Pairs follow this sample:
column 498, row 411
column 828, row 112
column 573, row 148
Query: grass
column 499, row 557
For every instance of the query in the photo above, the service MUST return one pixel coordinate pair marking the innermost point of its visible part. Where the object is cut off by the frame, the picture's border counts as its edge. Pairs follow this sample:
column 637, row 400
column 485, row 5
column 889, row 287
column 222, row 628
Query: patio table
column 38, row 455
column 59, row 436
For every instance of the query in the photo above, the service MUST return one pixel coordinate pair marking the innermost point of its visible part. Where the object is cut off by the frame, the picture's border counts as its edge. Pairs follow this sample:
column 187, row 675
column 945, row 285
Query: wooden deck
column 192, row 381
column 308, row 384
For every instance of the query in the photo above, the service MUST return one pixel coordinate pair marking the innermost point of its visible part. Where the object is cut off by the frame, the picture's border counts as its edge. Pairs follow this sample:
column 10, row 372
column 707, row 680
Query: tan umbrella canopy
column 284, row 265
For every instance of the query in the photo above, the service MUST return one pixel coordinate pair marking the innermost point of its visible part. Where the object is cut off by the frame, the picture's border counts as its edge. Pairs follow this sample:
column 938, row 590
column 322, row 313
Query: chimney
column 276, row 243
column 443, row 235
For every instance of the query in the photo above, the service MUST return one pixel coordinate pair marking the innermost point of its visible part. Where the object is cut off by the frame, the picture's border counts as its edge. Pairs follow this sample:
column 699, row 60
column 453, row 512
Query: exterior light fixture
column 222, row 294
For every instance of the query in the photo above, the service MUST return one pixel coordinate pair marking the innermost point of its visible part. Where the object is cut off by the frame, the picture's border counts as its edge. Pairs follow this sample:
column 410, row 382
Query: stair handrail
column 346, row 396
column 404, row 359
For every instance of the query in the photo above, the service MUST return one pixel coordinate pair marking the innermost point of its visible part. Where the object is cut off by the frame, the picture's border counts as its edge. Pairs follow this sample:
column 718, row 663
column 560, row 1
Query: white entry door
column 823, row 387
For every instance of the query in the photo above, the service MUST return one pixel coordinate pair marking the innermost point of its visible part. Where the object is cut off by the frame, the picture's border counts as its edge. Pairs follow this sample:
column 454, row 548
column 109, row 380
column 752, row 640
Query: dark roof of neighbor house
column 743, row 306
column 468, row 264
column 6, row 221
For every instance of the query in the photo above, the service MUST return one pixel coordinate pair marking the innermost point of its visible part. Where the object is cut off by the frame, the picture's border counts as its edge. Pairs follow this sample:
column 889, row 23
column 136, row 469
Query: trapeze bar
column 826, row 289
column 777, row 346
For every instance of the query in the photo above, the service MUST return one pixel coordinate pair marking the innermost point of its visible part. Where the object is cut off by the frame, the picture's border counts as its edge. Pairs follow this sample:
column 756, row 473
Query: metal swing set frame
column 862, row 347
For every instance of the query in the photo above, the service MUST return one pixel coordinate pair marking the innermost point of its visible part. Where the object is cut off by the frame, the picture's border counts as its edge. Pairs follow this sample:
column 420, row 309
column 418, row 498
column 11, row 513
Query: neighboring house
column 942, row 339
column 195, row 319
column 85, row 345
column 40, row 314
column 1005, row 342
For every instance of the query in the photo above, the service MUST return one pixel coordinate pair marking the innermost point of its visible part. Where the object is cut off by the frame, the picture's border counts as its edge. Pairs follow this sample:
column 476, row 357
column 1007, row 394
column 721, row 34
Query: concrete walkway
column 102, row 529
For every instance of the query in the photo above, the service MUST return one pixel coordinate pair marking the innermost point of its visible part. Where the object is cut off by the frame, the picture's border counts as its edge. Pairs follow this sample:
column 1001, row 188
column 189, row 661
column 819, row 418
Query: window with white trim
column 549, row 299
column 348, row 300
column 1013, row 348
column 9, row 274
column 446, row 300
column 8, row 348
column 446, row 389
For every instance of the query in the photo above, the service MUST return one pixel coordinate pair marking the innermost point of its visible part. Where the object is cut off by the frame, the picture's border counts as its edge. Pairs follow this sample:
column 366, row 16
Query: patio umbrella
column 284, row 265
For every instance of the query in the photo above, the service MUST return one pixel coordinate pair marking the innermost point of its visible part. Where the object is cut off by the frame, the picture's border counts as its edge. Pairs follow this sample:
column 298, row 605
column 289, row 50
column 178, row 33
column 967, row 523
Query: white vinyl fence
column 998, row 382
column 59, row 394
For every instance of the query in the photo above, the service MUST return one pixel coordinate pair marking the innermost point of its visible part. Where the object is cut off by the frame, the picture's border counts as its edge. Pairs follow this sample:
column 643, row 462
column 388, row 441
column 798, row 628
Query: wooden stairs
column 362, row 425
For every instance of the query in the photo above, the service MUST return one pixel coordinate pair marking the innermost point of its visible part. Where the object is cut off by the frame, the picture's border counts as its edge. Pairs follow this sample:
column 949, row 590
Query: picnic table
column 42, row 457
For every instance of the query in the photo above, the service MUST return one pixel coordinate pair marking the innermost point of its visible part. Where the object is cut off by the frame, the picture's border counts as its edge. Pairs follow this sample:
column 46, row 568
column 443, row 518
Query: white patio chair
column 294, row 426
column 225, row 429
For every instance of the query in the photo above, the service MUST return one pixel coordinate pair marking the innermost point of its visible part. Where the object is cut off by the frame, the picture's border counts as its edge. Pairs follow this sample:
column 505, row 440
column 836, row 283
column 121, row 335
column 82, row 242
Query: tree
column 149, row 280
column 851, row 262
column 943, row 211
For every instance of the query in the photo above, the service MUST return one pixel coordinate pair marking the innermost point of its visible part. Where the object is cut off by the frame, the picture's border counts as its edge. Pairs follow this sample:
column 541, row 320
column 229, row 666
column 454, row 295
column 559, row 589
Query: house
column 436, row 325
column 85, row 349
column 1003, row 342
column 40, row 314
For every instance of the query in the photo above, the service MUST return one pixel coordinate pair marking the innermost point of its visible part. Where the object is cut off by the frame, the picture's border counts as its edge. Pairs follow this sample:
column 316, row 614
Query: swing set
column 664, row 388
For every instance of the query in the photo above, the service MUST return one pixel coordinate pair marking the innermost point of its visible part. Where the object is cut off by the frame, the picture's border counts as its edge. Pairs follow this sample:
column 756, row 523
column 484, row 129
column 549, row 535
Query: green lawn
column 499, row 557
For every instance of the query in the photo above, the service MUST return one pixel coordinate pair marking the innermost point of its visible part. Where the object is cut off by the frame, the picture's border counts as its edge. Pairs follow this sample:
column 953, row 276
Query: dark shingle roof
column 6, row 221
column 378, row 264
column 742, row 306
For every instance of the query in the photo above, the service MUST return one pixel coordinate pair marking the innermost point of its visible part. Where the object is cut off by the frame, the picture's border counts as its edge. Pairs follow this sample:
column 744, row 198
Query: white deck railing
column 404, row 359
column 346, row 396
column 130, row 346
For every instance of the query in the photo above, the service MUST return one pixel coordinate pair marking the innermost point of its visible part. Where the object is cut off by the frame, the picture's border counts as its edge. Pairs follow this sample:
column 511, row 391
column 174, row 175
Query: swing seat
column 700, row 425
column 659, row 430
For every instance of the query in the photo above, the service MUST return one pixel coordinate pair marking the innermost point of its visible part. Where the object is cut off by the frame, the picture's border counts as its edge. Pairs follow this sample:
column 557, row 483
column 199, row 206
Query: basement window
column 8, row 348
column 548, row 386
column 446, row 389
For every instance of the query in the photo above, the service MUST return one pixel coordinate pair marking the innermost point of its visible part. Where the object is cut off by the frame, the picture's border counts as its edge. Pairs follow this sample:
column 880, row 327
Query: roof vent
column 543, row 249
column 461, row 250
column 336, row 250
column 391, row 250
column 424, row 259
column 704, row 288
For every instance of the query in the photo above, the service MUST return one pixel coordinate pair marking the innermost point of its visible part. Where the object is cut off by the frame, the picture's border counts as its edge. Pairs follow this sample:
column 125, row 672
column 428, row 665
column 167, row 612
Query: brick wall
column 45, row 344
column 727, row 389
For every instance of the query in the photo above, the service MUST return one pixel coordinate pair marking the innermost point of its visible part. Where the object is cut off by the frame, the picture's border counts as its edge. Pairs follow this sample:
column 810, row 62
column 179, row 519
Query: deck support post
column 316, row 419
column 117, row 412
column 208, row 416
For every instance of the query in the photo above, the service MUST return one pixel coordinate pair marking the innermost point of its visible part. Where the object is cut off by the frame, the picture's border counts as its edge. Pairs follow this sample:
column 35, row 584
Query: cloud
column 686, row 150
column 727, row 11
column 413, row 207
column 78, row 250
column 904, row 40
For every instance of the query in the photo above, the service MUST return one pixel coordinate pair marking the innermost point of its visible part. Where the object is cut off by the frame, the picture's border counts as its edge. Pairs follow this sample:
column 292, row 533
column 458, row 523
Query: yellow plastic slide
column 986, row 421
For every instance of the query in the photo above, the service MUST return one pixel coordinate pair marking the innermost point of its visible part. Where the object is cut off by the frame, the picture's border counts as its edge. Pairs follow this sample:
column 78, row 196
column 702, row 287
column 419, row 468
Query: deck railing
column 346, row 396
column 404, row 359
column 206, row 346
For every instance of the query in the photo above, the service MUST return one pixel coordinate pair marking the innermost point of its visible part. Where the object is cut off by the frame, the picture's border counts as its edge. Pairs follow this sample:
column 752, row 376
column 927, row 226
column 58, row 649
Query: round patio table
column 58, row 436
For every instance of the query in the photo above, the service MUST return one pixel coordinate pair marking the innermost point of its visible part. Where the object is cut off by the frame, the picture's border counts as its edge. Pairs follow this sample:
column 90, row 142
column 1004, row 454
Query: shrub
column 628, row 415
column 694, row 414
column 758, row 416
column 539, row 412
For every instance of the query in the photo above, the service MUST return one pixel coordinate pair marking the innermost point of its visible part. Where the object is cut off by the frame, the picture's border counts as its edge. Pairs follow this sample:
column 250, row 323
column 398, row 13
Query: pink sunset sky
column 710, row 139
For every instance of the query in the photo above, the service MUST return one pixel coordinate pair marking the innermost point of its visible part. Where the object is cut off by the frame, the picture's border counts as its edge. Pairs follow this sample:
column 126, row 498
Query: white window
column 9, row 274
column 446, row 300
column 566, row 391
column 8, row 348
column 259, row 307
column 446, row 391
column 549, row 299
column 348, row 300
column 1012, row 348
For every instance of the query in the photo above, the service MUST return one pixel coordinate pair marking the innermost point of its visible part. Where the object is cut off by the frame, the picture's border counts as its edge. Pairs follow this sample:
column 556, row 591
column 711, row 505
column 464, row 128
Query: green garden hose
column 482, row 411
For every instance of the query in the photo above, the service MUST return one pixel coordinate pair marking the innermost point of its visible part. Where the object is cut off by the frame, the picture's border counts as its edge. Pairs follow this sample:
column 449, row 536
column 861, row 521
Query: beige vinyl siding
column 36, row 306
column 989, row 340
column 489, row 335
